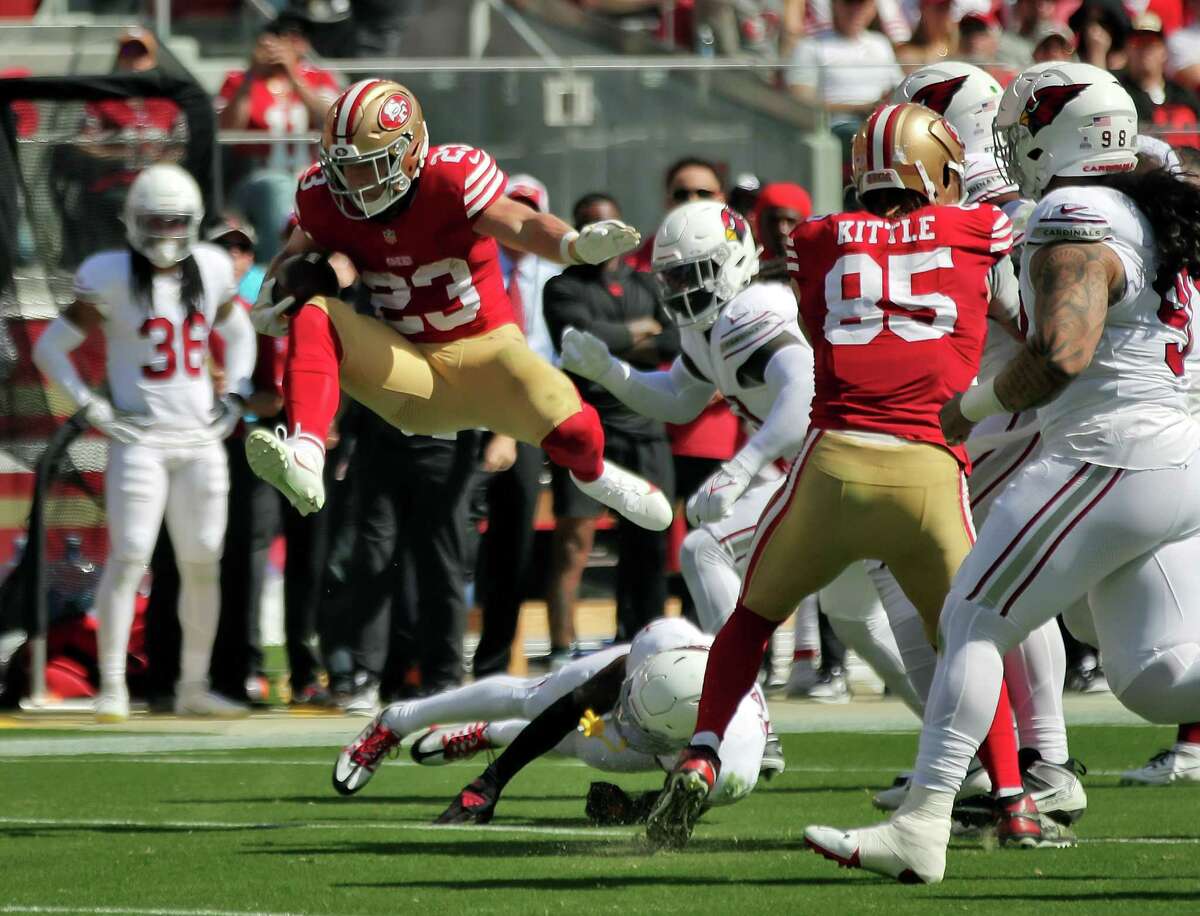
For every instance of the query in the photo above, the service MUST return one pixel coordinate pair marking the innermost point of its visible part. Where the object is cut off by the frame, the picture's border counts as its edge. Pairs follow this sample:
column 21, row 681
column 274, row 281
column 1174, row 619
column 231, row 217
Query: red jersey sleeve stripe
column 494, row 191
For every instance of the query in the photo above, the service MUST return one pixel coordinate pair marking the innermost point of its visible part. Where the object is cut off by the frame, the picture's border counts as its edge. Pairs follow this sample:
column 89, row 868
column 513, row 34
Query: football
column 303, row 276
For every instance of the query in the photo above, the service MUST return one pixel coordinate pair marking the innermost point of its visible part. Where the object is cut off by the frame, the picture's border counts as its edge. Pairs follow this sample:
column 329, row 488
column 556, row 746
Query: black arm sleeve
column 599, row 694
column 754, row 369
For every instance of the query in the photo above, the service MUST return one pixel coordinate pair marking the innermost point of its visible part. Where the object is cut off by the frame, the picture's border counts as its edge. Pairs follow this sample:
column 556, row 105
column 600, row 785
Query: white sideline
column 590, row 832
column 138, row 911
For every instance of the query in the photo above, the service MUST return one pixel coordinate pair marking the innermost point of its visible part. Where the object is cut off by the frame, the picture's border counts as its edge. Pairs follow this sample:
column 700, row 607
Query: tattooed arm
column 1074, row 284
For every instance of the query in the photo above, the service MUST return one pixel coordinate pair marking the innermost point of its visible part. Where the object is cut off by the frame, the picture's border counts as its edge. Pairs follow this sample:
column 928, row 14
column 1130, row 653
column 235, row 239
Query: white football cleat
column 1178, row 764
column 909, row 850
column 112, row 704
column 359, row 759
column 293, row 466
column 977, row 782
column 200, row 701
column 628, row 494
column 443, row 744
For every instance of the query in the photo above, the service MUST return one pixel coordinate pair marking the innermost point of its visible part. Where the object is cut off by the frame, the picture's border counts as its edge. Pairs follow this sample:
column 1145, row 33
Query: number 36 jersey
column 896, row 310
column 157, row 353
column 1129, row 407
column 431, row 276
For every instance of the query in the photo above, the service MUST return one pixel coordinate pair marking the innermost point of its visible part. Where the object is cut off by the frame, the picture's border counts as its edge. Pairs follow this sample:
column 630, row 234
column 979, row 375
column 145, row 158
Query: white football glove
column 229, row 411
column 716, row 496
column 585, row 354
column 268, row 317
column 118, row 427
column 597, row 242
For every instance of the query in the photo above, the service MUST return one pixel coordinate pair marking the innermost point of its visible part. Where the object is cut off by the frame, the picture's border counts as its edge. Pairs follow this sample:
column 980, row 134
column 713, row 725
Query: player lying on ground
column 420, row 225
column 741, row 340
column 157, row 302
column 1111, row 508
column 637, row 703
column 895, row 300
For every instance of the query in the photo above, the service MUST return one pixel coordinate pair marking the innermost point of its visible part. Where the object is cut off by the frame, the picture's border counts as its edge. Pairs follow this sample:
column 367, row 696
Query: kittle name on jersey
column 903, row 231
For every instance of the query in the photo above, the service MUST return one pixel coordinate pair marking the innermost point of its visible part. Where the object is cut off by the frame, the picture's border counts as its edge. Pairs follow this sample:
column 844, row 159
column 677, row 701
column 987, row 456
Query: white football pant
column 190, row 487
column 1128, row 541
column 1036, row 669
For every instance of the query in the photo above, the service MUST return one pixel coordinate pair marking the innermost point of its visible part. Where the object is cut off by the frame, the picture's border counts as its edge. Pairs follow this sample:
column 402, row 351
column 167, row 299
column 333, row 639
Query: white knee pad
column 699, row 548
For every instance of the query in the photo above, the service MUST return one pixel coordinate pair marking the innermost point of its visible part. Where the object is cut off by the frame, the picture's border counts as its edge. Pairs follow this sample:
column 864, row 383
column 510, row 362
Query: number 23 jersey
column 896, row 310
column 432, row 276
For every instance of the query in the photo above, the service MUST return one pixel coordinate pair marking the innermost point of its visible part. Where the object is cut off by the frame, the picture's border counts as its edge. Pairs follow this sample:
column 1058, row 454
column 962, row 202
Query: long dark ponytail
column 191, row 287
column 1171, row 204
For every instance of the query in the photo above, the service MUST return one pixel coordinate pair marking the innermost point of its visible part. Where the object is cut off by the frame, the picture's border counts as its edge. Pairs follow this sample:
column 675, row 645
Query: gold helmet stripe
column 347, row 107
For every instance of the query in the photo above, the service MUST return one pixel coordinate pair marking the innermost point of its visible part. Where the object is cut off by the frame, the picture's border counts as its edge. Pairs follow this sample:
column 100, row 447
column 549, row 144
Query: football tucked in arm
column 303, row 276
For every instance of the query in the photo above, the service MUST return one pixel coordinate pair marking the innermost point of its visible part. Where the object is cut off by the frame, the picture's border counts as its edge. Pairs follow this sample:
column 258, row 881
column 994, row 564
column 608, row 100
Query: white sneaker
column 831, row 687
column 910, row 849
column 977, row 782
column 293, row 466
column 802, row 678
column 112, row 705
column 442, row 744
column 1178, row 764
column 199, row 701
column 623, row 491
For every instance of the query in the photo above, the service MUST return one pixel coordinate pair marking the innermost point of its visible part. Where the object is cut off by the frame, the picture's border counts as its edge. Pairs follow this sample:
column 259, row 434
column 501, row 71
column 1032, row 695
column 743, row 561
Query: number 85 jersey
column 896, row 310
column 431, row 276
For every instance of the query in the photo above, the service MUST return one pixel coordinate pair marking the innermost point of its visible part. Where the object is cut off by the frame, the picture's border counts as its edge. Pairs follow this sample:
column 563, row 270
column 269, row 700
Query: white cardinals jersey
column 157, row 353
column 1000, row 347
column 750, row 319
column 1129, row 408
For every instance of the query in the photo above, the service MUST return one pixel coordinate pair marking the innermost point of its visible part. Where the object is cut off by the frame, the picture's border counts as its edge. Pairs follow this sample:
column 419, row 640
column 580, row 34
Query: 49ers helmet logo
column 1045, row 104
column 735, row 225
column 938, row 96
column 394, row 112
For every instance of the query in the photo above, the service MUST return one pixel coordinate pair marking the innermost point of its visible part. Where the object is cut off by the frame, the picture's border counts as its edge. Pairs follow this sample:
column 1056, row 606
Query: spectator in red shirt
column 279, row 93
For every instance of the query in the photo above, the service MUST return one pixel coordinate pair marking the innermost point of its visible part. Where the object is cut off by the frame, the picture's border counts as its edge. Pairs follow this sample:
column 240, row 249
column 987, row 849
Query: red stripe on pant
column 1058, row 540
column 1025, row 530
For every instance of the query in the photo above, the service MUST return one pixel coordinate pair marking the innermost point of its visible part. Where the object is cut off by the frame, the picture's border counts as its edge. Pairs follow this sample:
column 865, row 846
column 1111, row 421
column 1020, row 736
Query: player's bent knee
column 964, row 621
column 1164, row 689
column 701, row 548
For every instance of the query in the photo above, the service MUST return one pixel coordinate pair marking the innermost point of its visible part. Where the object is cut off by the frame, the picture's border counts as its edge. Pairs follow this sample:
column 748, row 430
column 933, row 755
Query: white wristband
column 564, row 248
column 980, row 401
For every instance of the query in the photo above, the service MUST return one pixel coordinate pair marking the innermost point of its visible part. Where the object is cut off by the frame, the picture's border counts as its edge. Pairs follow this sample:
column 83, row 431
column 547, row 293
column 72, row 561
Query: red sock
column 310, row 374
column 577, row 444
column 733, row 663
column 1189, row 733
column 998, row 753
column 804, row 655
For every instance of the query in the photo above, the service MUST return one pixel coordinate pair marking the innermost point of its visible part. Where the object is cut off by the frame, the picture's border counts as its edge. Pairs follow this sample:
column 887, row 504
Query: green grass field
column 209, row 832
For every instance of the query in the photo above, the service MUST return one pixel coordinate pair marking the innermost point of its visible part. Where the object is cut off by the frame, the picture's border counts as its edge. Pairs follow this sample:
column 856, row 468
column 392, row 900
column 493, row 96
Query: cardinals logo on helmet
column 1045, row 104
column 735, row 225
column 938, row 96
column 394, row 112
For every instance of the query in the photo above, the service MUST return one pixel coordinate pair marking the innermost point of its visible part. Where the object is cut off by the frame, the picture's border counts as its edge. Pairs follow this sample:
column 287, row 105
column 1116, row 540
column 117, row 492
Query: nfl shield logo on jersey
column 389, row 236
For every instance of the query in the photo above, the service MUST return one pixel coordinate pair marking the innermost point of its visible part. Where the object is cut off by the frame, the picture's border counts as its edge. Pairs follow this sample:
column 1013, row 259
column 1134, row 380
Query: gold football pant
column 492, row 381
column 850, row 499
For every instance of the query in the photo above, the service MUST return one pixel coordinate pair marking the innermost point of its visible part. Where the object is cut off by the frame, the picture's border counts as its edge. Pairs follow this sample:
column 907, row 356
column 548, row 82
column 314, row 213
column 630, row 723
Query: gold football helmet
column 909, row 146
column 373, row 146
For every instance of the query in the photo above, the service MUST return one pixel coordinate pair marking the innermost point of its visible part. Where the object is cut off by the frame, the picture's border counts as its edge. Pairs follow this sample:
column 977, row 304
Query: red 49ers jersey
column 431, row 276
column 896, row 310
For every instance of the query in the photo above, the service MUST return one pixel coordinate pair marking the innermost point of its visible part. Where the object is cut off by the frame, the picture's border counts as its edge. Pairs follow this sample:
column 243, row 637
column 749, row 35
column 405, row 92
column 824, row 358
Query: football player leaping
column 1111, row 507
column 157, row 301
column 894, row 299
column 637, row 703
column 420, row 224
column 742, row 340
